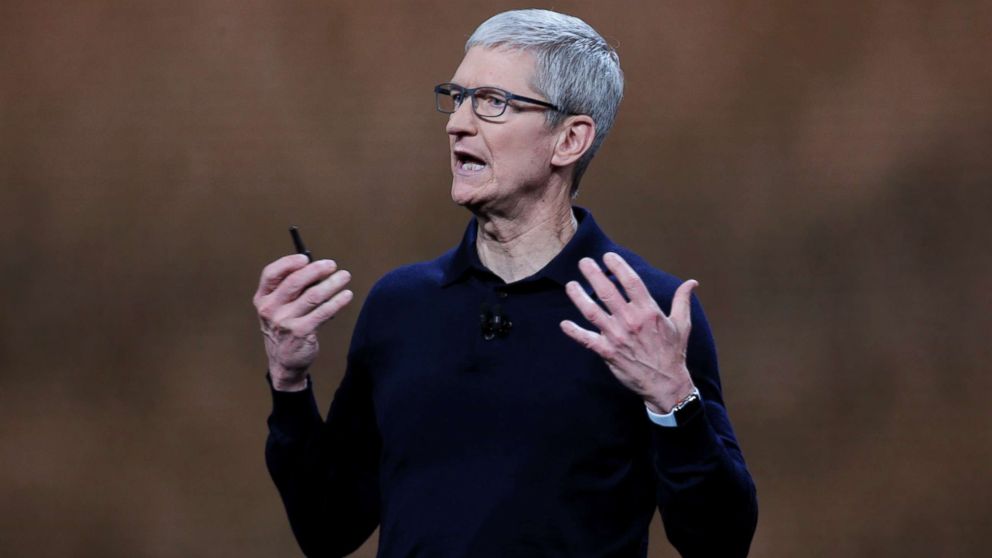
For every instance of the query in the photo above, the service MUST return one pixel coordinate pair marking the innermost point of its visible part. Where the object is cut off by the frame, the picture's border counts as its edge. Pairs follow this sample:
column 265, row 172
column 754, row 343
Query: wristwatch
column 683, row 411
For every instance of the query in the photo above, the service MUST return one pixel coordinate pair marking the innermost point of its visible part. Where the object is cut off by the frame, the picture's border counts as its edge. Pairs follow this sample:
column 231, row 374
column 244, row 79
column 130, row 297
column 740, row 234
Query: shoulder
column 411, row 279
column 405, row 288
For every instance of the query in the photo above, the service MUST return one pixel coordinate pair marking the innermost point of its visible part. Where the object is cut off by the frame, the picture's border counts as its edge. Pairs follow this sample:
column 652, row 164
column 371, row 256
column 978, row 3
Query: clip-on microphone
column 494, row 323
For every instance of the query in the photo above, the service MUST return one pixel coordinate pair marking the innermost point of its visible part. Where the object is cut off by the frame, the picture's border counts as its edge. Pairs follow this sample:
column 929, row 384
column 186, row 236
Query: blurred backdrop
column 823, row 170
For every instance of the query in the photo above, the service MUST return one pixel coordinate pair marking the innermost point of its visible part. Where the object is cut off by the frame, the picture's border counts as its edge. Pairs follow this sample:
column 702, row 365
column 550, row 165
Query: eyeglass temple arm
column 512, row 96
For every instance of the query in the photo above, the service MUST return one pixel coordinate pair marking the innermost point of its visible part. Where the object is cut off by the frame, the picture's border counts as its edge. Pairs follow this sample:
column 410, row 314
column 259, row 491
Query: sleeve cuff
column 694, row 442
column 293, row 412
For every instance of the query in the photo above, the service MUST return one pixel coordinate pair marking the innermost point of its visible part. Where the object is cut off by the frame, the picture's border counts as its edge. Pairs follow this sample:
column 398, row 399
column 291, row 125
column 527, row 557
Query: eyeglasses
column 487, row 102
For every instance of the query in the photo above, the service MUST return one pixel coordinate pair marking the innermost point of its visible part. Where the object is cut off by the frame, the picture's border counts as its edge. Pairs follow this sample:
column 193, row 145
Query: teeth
column 472, row 166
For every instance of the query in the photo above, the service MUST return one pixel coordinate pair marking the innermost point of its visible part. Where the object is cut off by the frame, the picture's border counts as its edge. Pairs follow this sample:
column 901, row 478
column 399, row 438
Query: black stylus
column 301, row 248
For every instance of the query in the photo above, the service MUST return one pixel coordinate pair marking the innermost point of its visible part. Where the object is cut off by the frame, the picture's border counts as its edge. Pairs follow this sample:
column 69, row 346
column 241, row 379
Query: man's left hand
column 644, row 348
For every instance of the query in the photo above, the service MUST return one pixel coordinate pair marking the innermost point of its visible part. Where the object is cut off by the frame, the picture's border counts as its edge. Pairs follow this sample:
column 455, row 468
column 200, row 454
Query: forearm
column 706, row 495
column 329, row 502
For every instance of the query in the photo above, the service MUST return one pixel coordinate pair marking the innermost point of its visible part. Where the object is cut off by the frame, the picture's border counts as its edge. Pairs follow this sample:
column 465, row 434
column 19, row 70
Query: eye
column 492, row 99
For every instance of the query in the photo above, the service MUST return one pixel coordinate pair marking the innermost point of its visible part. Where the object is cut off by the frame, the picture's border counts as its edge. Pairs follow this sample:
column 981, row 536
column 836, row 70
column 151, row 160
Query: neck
column 518, row 245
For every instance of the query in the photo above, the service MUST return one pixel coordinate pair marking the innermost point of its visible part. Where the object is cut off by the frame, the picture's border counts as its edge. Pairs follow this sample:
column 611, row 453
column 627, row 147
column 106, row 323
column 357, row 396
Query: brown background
column 822, row 170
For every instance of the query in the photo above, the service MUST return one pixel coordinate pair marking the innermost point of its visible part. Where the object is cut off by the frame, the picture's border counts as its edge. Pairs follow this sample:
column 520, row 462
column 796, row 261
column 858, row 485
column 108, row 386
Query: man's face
column 499, row 163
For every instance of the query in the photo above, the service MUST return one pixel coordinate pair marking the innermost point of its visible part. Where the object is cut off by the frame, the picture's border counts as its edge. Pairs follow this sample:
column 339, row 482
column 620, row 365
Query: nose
column 463, row 121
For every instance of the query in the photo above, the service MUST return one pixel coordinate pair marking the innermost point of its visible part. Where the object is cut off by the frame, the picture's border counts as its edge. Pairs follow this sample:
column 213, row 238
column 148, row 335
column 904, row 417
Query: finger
column 588, row 307
column 682, row 303
column 605, row 290
column 317, row 294
column 631, row 282
column 588, row 339
column 298, row 281
column 326, row 311
column 275, row 272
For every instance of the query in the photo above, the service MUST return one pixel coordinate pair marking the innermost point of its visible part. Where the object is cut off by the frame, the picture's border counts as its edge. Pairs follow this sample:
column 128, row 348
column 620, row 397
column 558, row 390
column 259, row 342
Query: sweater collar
column 588, row 240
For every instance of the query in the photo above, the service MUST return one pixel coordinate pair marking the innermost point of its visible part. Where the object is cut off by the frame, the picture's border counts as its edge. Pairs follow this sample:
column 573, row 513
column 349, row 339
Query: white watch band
column 668, row 419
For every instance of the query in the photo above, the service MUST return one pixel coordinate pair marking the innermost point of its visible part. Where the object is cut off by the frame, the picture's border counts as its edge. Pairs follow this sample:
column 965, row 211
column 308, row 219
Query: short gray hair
column 577, row 70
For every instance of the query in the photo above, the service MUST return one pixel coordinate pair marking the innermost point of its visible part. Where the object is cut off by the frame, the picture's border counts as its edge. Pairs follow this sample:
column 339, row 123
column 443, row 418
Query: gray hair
column 577, row 70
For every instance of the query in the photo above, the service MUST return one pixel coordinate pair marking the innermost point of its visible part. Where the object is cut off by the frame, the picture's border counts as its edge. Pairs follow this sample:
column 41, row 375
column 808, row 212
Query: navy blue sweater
column 520, row 445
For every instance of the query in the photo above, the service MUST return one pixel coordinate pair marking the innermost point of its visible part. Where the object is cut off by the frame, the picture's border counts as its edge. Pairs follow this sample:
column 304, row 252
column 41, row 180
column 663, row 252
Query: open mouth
column 468, row 162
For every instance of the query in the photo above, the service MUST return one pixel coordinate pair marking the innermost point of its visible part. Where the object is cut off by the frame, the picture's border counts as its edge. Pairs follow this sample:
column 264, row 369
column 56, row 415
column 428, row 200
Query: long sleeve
column 705, row 493
column 327, row 471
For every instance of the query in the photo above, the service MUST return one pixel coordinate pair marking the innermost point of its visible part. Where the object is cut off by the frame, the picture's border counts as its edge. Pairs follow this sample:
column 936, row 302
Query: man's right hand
column 293, row 299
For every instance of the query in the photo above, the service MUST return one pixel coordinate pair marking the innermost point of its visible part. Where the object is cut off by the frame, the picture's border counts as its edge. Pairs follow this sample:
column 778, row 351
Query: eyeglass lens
column 486, row 102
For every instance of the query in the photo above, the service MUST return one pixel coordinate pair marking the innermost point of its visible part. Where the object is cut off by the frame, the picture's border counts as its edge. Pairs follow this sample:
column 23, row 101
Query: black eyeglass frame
column 446, row 88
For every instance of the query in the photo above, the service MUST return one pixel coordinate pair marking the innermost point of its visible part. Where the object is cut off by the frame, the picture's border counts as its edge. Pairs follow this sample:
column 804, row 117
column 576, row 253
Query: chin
column 470, row 196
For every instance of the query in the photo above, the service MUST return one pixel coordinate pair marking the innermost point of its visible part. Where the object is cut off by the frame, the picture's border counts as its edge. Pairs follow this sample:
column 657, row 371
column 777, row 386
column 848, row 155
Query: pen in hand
column 301, row 248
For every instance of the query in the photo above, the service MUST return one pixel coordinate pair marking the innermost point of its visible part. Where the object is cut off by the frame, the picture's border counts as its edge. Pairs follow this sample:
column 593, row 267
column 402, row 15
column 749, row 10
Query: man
column 556, row 425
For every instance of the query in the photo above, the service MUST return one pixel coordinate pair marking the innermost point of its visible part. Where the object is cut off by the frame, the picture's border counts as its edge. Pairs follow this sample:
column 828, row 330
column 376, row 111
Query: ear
column 575, row 137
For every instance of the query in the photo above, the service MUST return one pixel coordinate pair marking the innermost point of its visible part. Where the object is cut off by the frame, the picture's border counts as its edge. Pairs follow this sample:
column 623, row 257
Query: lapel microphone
column 494, row 322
